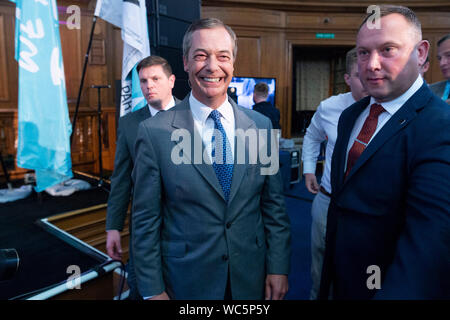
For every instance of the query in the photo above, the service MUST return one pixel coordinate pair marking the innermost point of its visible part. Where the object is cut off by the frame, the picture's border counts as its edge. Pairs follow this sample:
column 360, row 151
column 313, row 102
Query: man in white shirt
column 205, row 225
column 323, row 127
column 157, row 82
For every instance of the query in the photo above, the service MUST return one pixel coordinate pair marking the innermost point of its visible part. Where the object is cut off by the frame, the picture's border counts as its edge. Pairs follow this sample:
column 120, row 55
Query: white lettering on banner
column 126, row 99
column 56, row 68
column 55, row 10
column 44, row 2
column 31, row 32
column 25, row 60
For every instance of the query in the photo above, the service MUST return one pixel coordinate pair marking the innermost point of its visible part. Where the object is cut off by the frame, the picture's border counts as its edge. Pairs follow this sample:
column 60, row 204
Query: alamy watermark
column 374, row 280
column 373, row 22
column 252, row 146
column 74, row 280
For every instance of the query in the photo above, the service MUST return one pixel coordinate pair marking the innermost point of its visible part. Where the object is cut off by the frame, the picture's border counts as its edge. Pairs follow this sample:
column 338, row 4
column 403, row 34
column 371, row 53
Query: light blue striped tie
column 224, row 170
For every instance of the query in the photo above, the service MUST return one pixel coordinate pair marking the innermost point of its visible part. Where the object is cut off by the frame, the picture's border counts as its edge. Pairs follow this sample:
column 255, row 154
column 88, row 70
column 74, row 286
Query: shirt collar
column 201, row 112
column 154, row 111
column 392, row 106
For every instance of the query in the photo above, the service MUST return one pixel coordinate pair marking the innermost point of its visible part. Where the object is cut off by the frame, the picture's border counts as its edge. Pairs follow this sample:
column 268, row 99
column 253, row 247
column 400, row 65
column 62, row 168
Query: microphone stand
column 101, row 183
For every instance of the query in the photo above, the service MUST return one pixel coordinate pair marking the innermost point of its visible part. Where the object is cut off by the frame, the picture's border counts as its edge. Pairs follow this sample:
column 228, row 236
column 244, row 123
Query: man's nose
column 374, row 61
column 212, row 64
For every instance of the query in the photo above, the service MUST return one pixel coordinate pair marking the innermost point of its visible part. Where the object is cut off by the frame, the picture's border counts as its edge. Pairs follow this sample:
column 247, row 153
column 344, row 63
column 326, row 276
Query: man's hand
column 311, row 183
column 276, row 286
column 113, row 247
column 162, row 296
column 448, row 101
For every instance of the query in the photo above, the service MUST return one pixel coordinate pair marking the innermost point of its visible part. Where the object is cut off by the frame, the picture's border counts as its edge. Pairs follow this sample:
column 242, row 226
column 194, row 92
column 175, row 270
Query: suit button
column 225, row 257
column 228, row 225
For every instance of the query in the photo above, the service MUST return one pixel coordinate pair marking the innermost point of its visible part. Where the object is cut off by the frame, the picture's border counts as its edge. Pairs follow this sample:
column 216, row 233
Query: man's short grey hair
column 207, row 23
column 406, row 12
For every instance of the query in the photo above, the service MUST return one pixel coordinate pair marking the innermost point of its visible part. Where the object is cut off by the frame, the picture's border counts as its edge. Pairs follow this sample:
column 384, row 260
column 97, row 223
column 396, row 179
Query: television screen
column 244, row 89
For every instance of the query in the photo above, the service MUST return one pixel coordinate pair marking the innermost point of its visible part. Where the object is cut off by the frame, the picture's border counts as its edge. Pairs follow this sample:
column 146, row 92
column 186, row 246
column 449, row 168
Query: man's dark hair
column 155, row 61
column 444, row 38
column 407, row 13
column 350, row 59
column 261, row 89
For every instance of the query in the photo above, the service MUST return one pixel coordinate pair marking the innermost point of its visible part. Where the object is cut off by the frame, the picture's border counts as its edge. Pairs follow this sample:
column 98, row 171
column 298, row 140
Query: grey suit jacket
column 438, row 88
column 121, row 183
column 186, row 238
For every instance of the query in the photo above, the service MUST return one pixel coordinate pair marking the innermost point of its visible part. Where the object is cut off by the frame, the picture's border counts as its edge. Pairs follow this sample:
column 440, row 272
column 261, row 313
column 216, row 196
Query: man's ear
column 172, row 80
column 186, row 69
column 422, row 51
column 347, row 79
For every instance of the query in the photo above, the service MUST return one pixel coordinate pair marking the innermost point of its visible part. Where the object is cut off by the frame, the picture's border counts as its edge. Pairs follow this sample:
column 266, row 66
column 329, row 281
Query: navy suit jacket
column 393, row 210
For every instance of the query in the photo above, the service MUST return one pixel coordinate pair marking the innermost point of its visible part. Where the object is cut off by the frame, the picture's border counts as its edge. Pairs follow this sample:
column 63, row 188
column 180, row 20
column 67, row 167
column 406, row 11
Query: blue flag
column 44, row 125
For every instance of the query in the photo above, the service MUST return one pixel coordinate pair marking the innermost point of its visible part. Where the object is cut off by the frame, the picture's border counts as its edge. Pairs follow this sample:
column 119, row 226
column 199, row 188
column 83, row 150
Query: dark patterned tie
column 224, row 170
column 364, row 136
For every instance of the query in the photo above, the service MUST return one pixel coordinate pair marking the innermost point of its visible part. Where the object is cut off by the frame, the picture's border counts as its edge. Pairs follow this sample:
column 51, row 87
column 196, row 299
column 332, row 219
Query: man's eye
column 200, row 57
column 362, row 53
column 389, row 50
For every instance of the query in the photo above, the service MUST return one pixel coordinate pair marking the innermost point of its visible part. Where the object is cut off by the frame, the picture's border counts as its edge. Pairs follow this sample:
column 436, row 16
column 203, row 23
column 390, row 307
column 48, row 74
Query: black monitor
column 244, row 89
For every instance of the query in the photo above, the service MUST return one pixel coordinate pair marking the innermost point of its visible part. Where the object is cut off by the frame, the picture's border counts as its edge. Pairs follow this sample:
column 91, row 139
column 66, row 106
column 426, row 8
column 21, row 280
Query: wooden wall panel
column 8, row 65
column 248, row 60
column 4, row 88
column 281, row 25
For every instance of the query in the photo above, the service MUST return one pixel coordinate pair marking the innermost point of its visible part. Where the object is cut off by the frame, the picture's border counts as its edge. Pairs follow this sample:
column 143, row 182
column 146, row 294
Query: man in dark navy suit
column 260, row 95
column 388, row 234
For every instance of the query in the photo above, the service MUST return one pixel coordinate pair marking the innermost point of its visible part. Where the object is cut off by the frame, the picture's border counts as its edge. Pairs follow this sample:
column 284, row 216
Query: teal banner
column 44, row 125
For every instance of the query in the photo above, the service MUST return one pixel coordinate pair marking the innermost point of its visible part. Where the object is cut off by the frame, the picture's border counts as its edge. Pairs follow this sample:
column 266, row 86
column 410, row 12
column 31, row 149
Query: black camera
column 9, row 263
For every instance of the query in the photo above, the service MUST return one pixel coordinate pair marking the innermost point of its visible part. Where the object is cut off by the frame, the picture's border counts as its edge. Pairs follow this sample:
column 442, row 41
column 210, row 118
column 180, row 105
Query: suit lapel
column 183, row 120
column 142, row 114
column 397, row 122
column 340, row 149
column 243, row 122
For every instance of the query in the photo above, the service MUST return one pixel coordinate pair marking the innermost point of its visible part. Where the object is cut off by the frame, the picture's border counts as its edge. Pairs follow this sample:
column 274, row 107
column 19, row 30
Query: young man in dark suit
column 260, row 94
column 157, row 82
column 388, row 225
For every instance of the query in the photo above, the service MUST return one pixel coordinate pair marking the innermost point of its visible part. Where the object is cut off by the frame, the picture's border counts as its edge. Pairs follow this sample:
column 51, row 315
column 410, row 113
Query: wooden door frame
column 290, row 44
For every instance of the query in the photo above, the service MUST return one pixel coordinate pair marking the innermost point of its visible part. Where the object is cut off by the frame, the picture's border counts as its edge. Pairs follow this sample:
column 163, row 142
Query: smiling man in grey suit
column 157, row 82
column 202, row 230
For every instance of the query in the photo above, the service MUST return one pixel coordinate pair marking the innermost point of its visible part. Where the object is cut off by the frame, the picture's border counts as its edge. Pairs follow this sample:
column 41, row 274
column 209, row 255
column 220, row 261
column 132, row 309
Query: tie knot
column 215, row 115
column 375, row 110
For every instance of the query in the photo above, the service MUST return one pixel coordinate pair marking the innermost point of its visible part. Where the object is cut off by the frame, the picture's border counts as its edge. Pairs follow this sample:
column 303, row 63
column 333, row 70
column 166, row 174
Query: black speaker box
column 168, row 20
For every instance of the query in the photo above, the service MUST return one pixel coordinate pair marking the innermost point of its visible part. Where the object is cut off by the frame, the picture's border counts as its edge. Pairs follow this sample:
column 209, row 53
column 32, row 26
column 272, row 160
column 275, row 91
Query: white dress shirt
column 391, row 107
column 324, row 126
column 205, row 125
column 154, row 111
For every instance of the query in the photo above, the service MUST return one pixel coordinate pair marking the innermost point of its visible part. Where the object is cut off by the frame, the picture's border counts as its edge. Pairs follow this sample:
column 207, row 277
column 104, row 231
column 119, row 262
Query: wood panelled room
column 276, row 38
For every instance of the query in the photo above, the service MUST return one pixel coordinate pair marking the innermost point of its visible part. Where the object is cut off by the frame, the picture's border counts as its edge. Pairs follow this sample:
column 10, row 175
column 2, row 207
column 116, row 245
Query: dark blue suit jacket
column 393, row 210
